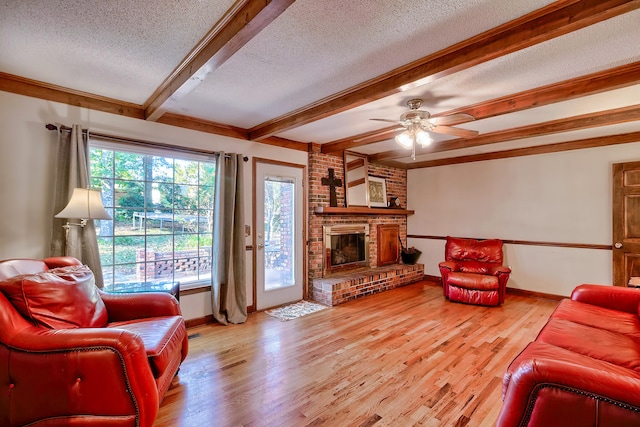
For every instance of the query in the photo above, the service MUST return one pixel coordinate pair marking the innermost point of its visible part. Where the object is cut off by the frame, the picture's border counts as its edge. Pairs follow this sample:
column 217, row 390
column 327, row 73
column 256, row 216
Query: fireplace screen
column 346, row 246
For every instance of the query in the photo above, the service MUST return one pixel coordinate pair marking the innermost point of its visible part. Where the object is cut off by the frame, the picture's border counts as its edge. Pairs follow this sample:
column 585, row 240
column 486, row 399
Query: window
column 162, row 209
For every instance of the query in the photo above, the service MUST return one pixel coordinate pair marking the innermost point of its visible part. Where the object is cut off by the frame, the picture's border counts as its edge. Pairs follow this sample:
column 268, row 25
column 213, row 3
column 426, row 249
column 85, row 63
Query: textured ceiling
column 314, row 50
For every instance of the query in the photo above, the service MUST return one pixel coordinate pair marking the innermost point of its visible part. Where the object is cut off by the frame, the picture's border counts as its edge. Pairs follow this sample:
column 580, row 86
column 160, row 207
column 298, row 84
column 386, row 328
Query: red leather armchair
column 583, row 369
column 473, row 272
column 71, row 354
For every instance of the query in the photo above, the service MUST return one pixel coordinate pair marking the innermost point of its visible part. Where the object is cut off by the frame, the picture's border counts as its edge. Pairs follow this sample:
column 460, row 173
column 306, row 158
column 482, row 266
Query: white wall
column 26, row 171
column 561, row 197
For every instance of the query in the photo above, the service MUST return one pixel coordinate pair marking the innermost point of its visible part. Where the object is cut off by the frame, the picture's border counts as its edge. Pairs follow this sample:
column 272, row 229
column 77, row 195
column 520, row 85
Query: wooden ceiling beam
column 600, row 141
column 583, row 121
column 200, row 125
column 239, row 25
column 554, row 20
column 614, row 78
column 37, row 89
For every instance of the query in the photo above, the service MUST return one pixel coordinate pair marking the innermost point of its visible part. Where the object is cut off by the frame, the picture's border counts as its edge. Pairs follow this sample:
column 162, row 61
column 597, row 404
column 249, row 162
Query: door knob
column 617, row 245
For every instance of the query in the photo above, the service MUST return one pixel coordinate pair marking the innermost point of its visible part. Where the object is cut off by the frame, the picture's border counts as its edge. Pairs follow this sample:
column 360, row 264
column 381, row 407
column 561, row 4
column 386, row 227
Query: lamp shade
column 84, row 204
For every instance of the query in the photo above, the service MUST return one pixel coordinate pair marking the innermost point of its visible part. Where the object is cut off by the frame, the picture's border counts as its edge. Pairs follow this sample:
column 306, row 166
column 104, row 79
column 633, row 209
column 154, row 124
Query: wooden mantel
column 360, row 210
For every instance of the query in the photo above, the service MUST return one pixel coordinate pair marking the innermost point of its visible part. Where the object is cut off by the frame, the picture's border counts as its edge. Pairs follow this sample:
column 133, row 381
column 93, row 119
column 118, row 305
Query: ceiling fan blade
column 453, row 119
column 385, row 120
column 370, row 135
column 448, row 130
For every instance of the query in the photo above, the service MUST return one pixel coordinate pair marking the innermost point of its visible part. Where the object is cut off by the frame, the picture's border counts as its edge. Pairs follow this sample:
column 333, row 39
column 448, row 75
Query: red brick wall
column 319, row 164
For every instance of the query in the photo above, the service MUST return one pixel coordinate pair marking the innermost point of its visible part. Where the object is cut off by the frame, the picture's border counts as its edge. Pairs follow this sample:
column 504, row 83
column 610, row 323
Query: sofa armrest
column 130, row 306
column 574, row 379
column 51, row 365
column 613, row 297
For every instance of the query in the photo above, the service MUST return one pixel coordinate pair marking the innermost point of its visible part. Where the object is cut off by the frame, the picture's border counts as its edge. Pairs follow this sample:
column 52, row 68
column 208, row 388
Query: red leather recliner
column 71, row 354
column 473, row 272
column 583, row 368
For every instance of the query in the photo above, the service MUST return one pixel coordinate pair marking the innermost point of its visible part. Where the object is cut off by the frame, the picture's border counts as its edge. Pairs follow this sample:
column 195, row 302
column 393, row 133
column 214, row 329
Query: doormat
column 293, row 311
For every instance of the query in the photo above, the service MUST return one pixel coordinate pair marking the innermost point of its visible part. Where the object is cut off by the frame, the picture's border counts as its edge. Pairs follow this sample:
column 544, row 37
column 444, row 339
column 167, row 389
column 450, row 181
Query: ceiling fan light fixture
column 423, row 138
column 404, row 139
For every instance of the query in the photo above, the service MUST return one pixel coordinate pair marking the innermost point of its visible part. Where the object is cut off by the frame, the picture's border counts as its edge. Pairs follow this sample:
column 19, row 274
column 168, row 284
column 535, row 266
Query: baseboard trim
column 534, row 294
column 192, row 323
column 437, row 280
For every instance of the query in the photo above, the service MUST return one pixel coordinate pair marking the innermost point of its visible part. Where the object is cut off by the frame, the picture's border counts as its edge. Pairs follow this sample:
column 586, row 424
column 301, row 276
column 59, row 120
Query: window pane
column 127, row 248
column 101, row 163
column 186, row 172
column 207, row 174
column 205, row 197
column 124, row 275
column 187, row 258
column 185, row 197
column 205, row 221
column 279, row 230
column 158, row 221
column 161, row 195
column 105, row 246
column 129, row 194
column 161, row 169
column 128, row 166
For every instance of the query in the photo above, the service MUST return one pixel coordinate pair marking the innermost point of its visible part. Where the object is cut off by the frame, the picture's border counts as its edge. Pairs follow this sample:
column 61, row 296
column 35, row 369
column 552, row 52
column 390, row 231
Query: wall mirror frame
column 356, row 181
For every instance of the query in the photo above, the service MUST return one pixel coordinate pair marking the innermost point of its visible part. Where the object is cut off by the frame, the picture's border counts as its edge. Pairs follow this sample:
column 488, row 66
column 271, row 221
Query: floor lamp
column 85, row 204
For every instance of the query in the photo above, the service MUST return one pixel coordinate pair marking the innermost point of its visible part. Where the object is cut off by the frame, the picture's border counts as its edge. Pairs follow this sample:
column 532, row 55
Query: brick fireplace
column 340, row 286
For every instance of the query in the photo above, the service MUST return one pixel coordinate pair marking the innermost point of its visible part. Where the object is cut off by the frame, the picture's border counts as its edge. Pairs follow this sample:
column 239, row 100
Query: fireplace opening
column 346, row 247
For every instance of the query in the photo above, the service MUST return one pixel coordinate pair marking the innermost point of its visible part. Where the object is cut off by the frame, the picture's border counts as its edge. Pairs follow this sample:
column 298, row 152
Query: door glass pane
column 279, row 230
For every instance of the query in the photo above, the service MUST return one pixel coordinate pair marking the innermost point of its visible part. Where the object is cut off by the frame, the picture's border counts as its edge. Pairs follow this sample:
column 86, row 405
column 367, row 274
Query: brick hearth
column 337, row 289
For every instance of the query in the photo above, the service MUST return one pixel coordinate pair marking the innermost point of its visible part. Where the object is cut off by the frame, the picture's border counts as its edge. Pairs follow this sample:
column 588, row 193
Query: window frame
column 179, row 153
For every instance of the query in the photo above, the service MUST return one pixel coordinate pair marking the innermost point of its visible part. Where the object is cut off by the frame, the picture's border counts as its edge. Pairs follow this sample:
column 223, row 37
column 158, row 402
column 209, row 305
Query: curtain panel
column 228, row 281
column 72, row 171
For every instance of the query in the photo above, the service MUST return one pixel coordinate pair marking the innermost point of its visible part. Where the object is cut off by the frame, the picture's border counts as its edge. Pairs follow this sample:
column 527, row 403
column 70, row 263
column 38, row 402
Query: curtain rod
column 140, row 142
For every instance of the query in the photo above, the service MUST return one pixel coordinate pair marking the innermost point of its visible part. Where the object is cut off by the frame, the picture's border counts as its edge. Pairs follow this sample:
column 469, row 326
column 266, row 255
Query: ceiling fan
column 416, row 125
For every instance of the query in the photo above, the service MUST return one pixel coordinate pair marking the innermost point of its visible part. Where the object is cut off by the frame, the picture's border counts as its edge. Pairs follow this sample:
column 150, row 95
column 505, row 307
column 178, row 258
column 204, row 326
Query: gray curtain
column 72, row 171
column 228, row 282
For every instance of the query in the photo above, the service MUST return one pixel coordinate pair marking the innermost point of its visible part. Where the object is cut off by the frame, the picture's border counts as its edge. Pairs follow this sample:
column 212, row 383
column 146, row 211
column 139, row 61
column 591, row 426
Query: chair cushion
column 473, row 281
column 471, row 296
column 61, row 298
column 458, row 249
column 162, row 338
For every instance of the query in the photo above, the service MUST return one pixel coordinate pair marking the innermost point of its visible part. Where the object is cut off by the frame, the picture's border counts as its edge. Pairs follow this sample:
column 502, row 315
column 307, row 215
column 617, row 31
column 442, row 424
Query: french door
column 279, row 233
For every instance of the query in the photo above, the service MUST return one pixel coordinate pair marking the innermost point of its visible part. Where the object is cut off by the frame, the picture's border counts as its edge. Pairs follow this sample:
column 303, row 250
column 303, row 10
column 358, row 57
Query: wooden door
column 626, row 224
column 388, row 248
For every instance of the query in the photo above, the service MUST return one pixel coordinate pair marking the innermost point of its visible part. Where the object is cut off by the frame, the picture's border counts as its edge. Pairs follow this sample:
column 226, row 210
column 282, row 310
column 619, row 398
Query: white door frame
column 255, row 241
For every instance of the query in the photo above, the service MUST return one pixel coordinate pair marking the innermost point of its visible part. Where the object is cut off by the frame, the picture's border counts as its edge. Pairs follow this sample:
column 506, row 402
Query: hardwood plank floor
column 399, row 358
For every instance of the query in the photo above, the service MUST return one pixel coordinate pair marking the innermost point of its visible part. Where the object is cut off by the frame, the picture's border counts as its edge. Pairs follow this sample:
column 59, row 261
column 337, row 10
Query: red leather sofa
column 71, row 354
column 473, row 273
column 583, row 369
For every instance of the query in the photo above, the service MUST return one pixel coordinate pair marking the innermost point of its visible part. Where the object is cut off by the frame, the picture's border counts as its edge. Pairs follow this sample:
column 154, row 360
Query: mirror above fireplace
column 356, row 185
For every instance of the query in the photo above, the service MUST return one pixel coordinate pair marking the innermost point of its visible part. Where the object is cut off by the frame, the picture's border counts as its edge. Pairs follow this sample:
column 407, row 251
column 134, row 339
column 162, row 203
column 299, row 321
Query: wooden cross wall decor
column 332, row 182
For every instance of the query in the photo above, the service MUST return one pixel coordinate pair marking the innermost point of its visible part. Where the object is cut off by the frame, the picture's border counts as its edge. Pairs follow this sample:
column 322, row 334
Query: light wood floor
column 399, row 358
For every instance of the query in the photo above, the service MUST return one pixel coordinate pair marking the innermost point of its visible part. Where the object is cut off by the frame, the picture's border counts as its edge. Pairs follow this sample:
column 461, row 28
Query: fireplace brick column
column 319, row 164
